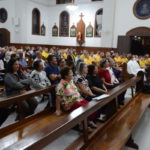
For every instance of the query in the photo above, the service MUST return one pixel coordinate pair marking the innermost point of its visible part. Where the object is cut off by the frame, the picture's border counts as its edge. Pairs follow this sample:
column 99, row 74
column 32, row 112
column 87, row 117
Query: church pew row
column 33, row 122
column 118, row 132
column 17, row 99
column 45, row 135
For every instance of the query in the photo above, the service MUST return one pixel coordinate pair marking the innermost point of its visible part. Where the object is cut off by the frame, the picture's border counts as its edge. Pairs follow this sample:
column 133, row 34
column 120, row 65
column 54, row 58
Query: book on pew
column 100, row 97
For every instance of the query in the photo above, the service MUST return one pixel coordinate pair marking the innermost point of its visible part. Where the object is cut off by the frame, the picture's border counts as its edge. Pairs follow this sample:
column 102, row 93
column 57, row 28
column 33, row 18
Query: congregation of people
column 78, row 76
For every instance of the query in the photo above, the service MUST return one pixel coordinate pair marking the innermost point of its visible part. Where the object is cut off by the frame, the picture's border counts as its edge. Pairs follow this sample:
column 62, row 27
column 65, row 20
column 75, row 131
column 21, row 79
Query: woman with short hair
column 39, row 77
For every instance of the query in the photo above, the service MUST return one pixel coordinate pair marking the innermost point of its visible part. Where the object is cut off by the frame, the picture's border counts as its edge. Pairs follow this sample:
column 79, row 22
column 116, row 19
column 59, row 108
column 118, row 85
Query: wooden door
column 124, row 43
column 4, row 37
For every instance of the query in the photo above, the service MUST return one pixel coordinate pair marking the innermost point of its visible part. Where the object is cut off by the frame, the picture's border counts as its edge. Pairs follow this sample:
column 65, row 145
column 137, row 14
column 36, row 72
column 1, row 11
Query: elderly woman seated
column 82, row 83
column 38, row 75
column 68, row 97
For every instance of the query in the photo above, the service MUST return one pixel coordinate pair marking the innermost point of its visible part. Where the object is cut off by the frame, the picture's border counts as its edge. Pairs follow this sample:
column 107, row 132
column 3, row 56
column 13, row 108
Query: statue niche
column 81, row 31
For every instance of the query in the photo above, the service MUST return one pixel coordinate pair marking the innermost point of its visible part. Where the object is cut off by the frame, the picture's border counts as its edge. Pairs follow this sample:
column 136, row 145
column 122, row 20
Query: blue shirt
column 51, row 69
column 23, row 62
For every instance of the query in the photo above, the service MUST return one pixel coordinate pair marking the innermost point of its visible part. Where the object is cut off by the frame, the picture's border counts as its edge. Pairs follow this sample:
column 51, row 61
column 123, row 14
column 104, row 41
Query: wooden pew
column 17, row 99
column 118, row 132
column 47, row 134
column 25, row 126
column 9, row 100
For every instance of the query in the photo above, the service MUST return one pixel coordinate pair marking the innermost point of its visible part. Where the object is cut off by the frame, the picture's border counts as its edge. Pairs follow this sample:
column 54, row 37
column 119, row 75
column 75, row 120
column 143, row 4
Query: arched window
column 98, row 22
column 3, row 15
column 36, row 21
column 64, row 24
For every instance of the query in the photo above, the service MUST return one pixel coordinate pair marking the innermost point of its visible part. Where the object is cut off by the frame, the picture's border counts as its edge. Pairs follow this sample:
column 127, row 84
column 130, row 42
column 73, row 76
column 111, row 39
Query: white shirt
column 112, row 75
column 133, row 67
column 1, row 64
column 40, row 78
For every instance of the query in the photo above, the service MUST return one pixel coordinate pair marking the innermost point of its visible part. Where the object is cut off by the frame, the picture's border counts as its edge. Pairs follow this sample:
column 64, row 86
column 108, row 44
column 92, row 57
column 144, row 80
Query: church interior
column 74, row 74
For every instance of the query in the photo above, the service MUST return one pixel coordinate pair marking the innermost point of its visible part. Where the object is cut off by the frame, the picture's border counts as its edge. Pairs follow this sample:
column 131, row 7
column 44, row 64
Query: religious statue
column 79, row 36
column 43, row 30
column 144, row 9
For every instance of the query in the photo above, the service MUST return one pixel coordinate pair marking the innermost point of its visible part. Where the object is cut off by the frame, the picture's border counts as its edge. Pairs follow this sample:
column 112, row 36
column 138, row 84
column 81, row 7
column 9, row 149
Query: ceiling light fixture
column 72, row 6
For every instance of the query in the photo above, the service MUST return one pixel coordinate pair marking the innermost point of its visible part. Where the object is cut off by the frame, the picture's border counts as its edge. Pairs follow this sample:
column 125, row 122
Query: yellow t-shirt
column 91, row 59
column 118, row 60
column 124, row 60
column 45, row 54
column 142, row 63
column 82, row 56
column 87, row 61
column 147, row 61
column 98, row 58
column 64, row 55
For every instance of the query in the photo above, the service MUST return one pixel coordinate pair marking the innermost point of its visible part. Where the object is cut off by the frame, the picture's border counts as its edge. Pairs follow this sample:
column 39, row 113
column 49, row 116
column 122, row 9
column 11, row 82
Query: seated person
column 68, row 97
column 1, row 64
column 114, row 79
column 116, row 70
column 52, row 70
column 133, row 67
column 53, row 73
column 15, row 81
column 39, row 77
column 39, row 57
column 98, row 88
column 22, row 61
column 82, row 82
column 6, row 59
column 107, row 75
column 61, row 64
column 95, row 83
column 104, row 73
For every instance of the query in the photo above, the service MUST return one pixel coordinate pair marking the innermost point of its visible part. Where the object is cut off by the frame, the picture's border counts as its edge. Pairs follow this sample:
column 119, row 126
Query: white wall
column 118, row 18
column 9, row 6
column 89, row 16
column 125, row 19
column 108, row 23
column 44, row 11
column 50, row 16
column 21, row 26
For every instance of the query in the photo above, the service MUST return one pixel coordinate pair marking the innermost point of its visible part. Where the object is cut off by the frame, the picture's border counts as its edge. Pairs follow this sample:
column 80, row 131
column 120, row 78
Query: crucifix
column 81, row 15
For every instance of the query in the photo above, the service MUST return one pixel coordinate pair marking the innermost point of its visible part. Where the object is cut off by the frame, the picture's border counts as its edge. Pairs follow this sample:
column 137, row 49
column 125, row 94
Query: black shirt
column 95, row 81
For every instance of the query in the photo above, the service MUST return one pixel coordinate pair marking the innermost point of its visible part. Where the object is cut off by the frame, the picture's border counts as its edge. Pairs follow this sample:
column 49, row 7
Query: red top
column 104, row 74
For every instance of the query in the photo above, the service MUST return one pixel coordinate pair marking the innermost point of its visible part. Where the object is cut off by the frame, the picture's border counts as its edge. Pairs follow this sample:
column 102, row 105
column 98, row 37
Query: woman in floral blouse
column 68, row 92
column 68, row 97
